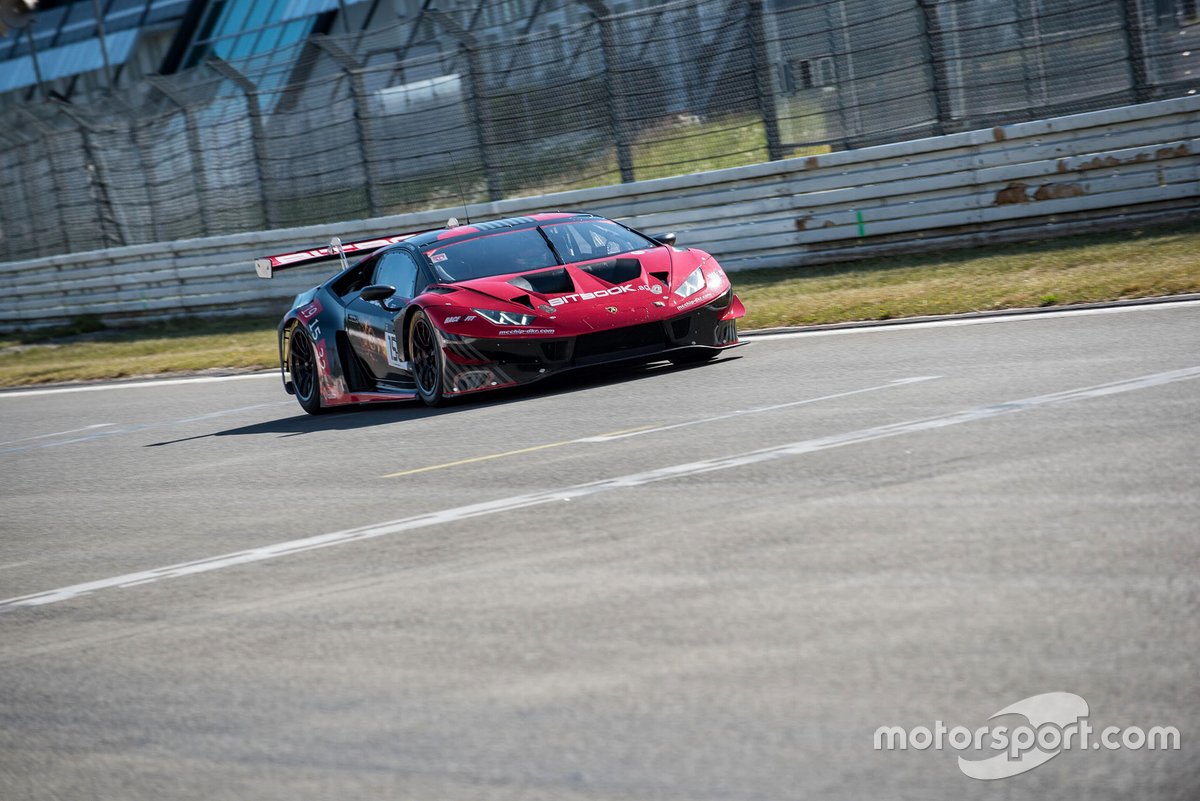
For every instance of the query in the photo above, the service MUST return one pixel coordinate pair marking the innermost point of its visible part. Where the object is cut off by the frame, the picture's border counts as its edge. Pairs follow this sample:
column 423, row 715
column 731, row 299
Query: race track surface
column 646, row 583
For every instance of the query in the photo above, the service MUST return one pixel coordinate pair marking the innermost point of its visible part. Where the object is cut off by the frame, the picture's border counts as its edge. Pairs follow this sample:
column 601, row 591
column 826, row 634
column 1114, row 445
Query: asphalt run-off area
column 638, row 582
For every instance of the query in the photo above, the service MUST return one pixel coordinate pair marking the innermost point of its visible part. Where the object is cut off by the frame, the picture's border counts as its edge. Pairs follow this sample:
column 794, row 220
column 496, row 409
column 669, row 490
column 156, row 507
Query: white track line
column 57, row 433
column 159, row 382
column 596, row 487
column 132, row 429
column 961, row 321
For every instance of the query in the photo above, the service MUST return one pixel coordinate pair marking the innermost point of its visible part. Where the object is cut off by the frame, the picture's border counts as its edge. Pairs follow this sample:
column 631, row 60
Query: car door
column 369, row 323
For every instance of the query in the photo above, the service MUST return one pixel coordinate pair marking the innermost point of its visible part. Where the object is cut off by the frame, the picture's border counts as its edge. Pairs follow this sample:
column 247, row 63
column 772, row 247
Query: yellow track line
column 509, row 453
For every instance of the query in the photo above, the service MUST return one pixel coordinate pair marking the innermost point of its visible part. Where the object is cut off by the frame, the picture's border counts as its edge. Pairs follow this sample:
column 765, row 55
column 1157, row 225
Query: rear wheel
column 426, row 359
column 302, row 365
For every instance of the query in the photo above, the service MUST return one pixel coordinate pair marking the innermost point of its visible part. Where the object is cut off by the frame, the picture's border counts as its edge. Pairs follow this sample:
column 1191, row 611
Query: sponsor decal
column 455, row 319
column 659, row 303
column 393, row 350
column 656, row 289
column 321, row 361
column 310, row 311
column 438, row 257
column 599, row 293
column 546, row 309
column 511, row 331
column 468, row 318
column 704, row 298
column 611, row 309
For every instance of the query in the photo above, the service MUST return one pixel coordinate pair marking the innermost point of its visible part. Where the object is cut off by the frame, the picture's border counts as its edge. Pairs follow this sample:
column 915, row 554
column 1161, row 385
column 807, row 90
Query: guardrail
column 1026, row 181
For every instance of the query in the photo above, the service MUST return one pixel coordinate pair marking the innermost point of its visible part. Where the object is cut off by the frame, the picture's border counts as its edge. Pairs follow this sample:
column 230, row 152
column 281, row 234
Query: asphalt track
column 651, row 583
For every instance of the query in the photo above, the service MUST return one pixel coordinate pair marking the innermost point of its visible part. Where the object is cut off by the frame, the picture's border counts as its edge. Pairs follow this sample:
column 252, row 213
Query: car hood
column 576, row 298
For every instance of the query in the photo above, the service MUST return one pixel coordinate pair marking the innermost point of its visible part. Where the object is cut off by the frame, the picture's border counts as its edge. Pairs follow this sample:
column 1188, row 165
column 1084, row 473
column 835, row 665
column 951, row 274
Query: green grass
column 1128, row 264
column 187, row 345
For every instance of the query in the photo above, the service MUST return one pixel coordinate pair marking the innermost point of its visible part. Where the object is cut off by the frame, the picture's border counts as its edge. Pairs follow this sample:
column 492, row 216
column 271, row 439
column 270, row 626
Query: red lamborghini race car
column 443, row 313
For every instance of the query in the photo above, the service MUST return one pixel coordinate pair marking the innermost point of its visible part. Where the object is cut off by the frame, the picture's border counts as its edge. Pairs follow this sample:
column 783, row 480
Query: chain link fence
column 354, row 126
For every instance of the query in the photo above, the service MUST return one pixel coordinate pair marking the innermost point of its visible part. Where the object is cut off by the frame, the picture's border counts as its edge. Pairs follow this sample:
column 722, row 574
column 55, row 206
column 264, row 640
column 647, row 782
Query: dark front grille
column 632, row 341
column 555, row 351
column 681, row 327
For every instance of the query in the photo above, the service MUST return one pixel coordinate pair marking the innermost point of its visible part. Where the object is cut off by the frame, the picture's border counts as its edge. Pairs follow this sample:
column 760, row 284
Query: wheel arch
column 404, row 321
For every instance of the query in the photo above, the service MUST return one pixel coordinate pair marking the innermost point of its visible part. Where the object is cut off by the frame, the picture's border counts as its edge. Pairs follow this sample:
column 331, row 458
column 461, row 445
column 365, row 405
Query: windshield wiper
column 550, row 244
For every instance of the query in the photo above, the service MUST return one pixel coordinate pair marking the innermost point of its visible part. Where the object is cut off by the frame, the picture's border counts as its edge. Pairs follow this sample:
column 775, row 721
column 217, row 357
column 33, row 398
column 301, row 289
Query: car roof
column 472, row 230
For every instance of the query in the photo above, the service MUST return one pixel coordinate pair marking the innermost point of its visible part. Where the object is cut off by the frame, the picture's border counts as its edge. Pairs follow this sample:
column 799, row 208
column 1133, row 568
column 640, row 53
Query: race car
column 440, row 314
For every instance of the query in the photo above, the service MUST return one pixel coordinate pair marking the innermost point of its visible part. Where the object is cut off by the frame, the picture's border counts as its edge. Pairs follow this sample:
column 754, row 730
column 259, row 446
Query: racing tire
column 427, row 360
column 302, row 366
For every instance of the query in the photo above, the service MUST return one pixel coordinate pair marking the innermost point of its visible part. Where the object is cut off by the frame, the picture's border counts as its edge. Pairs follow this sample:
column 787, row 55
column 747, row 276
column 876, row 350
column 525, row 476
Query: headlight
column 505, row 318
column 692, row 284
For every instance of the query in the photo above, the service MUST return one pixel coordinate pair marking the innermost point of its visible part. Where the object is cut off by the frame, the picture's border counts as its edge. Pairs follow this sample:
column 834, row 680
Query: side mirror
column 665, row 239
column 377, row 292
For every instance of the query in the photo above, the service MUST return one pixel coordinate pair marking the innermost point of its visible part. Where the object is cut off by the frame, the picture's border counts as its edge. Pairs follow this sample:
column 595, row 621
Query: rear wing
column 267, row 266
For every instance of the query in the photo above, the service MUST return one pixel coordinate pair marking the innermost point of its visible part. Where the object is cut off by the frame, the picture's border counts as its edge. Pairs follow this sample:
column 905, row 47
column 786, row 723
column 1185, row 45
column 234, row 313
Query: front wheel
column 302, row 365
column 426, row 359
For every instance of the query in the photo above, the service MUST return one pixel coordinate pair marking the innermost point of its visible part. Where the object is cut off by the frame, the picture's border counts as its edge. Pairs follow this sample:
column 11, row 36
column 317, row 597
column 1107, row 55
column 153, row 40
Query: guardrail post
column 358, row 92
column 194, row 148
column 470, row 47
column 761, row 64
column 615, row 86
column 257, row 132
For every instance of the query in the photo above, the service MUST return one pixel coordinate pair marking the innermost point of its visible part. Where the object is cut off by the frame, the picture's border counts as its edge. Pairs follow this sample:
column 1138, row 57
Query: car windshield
column 581, row 240
column 526, row 249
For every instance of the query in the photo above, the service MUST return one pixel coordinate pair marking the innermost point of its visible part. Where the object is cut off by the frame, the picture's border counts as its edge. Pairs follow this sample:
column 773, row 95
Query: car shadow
column 350, row 418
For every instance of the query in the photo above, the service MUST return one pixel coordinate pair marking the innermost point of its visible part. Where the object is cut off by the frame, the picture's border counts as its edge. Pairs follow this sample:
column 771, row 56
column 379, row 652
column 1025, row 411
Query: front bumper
column 476, row 364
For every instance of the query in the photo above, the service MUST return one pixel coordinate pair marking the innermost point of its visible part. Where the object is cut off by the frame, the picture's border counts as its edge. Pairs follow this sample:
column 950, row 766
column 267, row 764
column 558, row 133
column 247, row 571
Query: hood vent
column 615, row 271
column 547, row 282
column 664, row 277
column 523, row 300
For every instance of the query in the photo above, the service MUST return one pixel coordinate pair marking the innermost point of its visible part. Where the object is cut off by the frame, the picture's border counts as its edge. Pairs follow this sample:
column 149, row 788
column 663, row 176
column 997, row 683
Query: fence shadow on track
column 351, row 418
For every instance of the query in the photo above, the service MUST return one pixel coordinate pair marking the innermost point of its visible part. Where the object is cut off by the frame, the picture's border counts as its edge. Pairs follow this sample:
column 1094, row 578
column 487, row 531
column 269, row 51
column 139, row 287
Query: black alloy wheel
column 302, row 365
column 426, row 359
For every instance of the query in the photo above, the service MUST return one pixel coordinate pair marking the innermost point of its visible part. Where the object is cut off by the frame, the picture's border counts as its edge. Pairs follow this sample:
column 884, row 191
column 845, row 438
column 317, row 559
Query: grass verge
column 1098, row 267
column 185, row 345
column 1127, row 264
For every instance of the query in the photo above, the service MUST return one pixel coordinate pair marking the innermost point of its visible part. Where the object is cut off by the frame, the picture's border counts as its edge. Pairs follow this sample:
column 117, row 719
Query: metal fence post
column 615, row 87
column 1139, row 73
column 110, row 229
column 358, row 92
column 7, row 201
column 52, row 168
column 194, row 149
column 257, row 132
column 935, row 50
column 761, row 64
column 470, row 47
